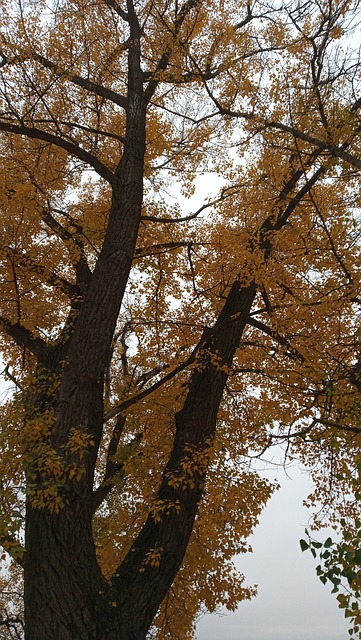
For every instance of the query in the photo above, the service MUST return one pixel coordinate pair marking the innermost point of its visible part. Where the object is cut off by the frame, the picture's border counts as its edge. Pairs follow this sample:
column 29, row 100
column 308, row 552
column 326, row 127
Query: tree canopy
column 180, row 291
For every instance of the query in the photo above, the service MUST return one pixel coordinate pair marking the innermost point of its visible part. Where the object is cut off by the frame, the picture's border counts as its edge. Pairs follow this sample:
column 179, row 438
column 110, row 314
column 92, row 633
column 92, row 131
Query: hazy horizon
column 292, row 603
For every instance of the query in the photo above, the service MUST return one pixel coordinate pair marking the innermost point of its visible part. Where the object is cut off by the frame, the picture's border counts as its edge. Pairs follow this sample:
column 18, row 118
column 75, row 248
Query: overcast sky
column 292, row 603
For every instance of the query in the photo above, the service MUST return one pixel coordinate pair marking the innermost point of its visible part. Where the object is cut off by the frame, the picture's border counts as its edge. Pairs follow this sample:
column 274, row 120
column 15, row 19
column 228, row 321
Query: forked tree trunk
column 66, row 597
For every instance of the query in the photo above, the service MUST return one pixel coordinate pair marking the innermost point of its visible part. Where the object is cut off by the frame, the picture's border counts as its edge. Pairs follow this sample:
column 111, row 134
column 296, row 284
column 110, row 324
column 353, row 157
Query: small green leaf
column 304, row 545
column 350, row 577
column 358, row 555
column 316, row 545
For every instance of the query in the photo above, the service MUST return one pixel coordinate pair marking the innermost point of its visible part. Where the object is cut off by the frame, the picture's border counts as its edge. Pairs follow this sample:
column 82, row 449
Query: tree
column 154, row 347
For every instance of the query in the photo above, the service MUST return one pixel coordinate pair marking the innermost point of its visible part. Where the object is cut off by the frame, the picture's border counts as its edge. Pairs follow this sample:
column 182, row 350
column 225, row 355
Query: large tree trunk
column 63, row 587
column 65, row 595
column 64, row 591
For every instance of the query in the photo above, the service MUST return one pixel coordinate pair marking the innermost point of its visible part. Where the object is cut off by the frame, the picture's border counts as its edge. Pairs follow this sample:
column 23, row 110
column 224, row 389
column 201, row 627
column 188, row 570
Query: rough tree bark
column 63, row 585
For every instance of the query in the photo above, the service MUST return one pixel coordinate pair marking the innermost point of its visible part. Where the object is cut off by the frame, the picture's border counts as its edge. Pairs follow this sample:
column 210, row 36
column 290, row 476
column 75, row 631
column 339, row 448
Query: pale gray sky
column 292, row 603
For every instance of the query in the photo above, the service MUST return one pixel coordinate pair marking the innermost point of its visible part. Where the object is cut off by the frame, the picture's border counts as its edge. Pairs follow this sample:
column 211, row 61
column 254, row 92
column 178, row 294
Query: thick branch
column 72, row 148
column 168, row 530
column 84, row 83
column 24, row 338
column 170, row 527
column 50, row 277
column 117, row 8
column 282, row 340
column 338, row 151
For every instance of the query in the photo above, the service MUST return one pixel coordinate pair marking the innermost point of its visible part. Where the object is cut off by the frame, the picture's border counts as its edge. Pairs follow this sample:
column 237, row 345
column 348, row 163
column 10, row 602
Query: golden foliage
column 261, row 102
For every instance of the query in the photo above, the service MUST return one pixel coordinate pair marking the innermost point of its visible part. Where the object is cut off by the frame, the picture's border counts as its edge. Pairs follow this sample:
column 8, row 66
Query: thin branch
column 186, row 8
column 146, row 392
column 111, row 467
column 79, row 231
column 336, row 425
column 50, row 277
column 302, row 432
column 226, row 192
column 287, row 436
column 354, row 376
column 82, row 269
column 333, row 149
column 6, row 373
column 295, row 201
column 164, row 247
column 341, row 263
column 338, row 151
column 10, row 622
